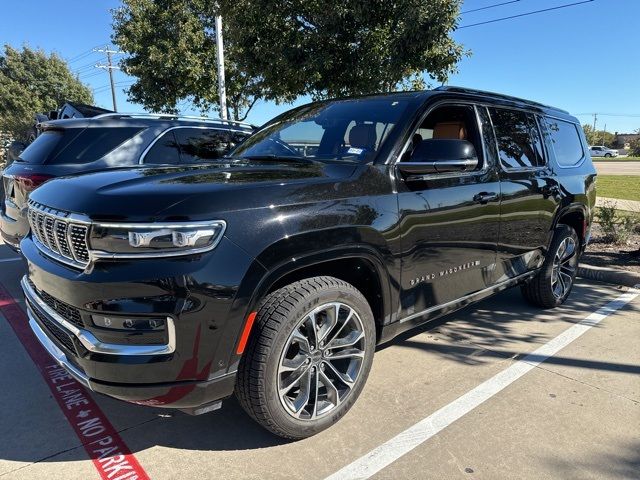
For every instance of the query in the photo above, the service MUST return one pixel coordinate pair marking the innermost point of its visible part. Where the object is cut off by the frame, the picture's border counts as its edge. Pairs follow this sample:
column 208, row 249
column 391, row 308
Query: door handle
column 484, row 197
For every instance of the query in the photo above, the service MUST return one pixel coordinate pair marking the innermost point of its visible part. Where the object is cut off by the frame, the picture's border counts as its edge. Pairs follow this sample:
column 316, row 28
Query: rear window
column 519, row 142
column 75, row 145
column 565, row 140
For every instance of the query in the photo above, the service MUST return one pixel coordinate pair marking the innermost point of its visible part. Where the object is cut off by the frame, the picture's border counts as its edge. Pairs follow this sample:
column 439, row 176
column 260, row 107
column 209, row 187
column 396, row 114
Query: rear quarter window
column 565, row 140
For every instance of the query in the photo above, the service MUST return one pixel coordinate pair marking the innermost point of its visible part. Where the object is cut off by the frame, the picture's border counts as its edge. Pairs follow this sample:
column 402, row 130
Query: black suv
column 275, row 272
column 74, row 146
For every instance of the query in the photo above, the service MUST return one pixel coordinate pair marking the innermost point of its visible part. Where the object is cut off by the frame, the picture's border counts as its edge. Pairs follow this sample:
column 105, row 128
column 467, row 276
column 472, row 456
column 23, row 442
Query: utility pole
column 604, row 133
column 110, row 68
column 595, row 117
column 222, row 93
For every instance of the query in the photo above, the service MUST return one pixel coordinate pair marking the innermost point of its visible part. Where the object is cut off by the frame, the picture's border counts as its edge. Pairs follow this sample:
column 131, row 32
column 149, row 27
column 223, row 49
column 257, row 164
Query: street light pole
column 222, row 93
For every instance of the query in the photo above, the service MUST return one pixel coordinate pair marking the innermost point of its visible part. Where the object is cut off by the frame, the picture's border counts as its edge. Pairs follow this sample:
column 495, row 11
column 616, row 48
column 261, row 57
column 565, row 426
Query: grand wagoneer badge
column 445, row 272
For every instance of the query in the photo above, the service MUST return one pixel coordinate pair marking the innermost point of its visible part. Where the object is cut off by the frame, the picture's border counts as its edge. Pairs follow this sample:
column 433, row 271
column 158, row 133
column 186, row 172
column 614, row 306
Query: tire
column 553, row 283
column 607, row 155
column 283, row 321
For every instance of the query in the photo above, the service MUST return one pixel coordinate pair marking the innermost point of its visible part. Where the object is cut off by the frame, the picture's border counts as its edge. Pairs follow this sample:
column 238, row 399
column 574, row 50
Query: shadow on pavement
column 480, row 328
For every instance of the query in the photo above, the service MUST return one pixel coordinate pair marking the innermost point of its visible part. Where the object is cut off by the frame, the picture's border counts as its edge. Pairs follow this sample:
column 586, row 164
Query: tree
column 346, row 47
column 172, row 51
column 599, row 137
column 284, row 49
column 635, row 147
column 30, row 82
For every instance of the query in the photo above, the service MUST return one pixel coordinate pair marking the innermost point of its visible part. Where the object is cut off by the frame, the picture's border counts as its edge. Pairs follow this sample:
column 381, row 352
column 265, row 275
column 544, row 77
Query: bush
column 617, row 228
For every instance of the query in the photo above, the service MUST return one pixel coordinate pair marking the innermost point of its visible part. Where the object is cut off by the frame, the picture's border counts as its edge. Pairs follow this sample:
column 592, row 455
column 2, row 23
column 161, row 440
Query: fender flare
column 254, row 287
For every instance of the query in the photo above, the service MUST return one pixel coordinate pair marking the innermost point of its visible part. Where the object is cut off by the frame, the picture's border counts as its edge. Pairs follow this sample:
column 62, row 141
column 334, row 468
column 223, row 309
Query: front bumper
column 193, row 368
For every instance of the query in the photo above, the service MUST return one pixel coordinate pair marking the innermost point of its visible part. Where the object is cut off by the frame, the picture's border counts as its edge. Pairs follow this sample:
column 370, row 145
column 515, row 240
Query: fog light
column 124, row 323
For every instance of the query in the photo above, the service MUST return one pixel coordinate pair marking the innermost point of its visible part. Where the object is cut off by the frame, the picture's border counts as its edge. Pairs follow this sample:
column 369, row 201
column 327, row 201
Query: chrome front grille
column 59, row 234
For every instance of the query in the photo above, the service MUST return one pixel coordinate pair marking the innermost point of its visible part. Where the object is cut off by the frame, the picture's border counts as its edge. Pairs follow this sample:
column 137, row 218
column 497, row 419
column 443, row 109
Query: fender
column 568, row 209
column 260, row 278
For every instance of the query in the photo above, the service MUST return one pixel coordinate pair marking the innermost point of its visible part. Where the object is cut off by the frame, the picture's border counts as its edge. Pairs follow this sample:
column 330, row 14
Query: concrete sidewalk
column 627, row 205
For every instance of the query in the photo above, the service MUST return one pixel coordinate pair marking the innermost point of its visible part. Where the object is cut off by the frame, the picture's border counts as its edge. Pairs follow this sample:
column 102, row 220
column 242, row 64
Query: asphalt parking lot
column 498, row 390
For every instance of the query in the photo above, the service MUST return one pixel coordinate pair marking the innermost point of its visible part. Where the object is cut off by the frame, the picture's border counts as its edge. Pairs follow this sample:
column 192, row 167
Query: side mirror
column 439, row 156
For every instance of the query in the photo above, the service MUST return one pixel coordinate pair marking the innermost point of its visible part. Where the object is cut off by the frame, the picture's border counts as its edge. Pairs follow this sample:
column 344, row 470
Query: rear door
column 530, row 192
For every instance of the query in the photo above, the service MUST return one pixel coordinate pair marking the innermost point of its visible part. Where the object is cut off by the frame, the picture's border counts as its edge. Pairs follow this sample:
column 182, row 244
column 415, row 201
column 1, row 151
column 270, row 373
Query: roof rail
column 175, row 117
column 452, row 88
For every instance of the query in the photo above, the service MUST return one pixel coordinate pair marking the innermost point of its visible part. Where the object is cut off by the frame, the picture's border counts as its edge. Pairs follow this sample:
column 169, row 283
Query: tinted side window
column 91, row 144
column 565, row 140
column 518, row 137
column 197, row 145
column 164, row 151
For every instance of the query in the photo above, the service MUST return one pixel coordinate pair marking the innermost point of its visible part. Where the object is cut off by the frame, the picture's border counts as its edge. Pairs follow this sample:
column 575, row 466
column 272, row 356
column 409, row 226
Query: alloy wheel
column 564, row 267
column 321, row 361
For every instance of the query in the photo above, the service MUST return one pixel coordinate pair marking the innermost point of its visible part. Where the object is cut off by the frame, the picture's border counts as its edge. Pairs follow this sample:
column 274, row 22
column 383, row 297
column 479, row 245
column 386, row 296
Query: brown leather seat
column 363, row 136
column 450, row 130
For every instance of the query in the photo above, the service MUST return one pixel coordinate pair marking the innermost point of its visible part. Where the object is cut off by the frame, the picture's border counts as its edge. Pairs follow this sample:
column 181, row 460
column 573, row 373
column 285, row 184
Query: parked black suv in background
column 74, row 146
column 274, row 273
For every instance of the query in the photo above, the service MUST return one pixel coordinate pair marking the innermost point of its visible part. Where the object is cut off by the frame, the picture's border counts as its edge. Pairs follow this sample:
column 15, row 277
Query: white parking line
column 390, row 451
column 10, row 260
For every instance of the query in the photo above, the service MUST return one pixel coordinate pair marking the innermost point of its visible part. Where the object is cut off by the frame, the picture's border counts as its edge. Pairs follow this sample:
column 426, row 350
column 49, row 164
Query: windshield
column 347, row 130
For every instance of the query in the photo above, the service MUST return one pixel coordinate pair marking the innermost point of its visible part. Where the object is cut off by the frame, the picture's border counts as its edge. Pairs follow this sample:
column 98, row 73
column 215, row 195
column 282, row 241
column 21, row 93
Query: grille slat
column 59, row 234
column 78, row 237
column 50, row 233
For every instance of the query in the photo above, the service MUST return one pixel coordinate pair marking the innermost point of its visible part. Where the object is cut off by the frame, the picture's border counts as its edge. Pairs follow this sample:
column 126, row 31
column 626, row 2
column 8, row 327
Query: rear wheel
column 308, row 358
column 553, row 283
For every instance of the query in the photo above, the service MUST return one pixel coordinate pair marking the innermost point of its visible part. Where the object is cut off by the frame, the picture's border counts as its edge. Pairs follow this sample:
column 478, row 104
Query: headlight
column 131, row 240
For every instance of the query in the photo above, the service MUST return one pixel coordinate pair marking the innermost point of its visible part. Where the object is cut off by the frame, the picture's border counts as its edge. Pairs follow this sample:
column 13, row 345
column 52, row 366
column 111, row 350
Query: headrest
column 363, row 136
column 450, row 130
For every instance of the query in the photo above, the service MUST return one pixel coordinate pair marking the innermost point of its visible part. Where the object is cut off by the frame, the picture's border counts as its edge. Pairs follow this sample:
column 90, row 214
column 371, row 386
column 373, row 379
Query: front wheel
column 608, row 155
column 308, row 358
column 553, row 283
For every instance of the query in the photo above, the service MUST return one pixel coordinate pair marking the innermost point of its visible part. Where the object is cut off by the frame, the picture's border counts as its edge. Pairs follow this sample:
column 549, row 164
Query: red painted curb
column 110, row 455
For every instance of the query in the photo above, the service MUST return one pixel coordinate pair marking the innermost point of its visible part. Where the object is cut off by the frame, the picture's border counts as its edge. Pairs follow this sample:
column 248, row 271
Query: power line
column 81, row 55
column 525, row 14
column 627, row 115
column 490, row 6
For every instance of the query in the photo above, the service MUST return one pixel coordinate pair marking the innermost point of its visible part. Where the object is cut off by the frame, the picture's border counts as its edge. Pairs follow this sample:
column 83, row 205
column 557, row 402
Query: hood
column 148, row 194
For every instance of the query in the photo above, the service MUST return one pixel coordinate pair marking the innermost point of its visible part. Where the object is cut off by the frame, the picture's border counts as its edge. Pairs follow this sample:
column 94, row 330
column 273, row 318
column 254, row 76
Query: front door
column 449, row 221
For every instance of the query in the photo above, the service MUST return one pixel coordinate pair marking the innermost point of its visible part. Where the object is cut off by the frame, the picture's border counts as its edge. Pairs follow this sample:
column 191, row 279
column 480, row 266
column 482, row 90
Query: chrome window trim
column 90, row 342
column 195, row 127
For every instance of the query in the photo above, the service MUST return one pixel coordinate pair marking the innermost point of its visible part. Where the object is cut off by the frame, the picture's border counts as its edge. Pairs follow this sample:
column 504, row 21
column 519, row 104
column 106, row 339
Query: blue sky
column 583, row 59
